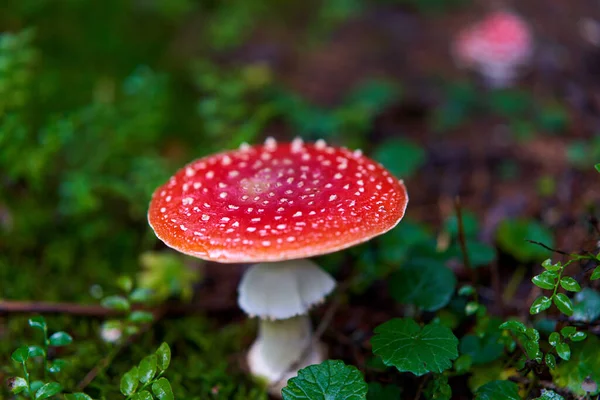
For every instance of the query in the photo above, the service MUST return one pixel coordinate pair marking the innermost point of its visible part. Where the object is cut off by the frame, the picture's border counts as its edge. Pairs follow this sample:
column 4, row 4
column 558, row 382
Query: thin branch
column 564, row 253
column 461, row 234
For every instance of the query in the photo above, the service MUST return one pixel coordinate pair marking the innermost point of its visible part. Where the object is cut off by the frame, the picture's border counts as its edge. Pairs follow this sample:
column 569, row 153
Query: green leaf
column 570, row 284
column 141, row 317
column 17, row 384
column 140, row 295
column 118, row 303
column 36, row 351
column 567, row 331
column 514, row 326
column 425, row 283
column 402, row 157
column 563, row 303
column 512, row 236
column 480, row 254
column 586, row 306
column 550, row 395
column 60, row 339
column 550, row 360
column 466, row 290
column 470, row 224
column 402, row 343
column 163, row 355
column 596, row 273
column 21, row 355
column 125, row 283
column 540, row 304
column 143, row 395
column 597, row 166
column 48, row 390
column 554, row 339
column 547, row 264
column 563, row 350
column 544, row 280
column 498, row 390
column 331, row 379
column 38, row 323
column 162, row 389
column 578, row 336
column 147, row 368
column 378, row 391
column 77, row 396
column 463, row 363
column 129, row 381
column 56, row 366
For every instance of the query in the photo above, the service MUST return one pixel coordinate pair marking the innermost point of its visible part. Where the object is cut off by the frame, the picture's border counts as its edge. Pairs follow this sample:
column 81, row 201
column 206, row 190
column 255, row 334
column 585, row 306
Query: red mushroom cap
column 274, row 202
column 502, row 37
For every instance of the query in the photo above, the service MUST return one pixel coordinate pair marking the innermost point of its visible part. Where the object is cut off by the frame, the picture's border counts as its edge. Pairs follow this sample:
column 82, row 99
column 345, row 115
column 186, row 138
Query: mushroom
column 275, row 205
column 496, row 46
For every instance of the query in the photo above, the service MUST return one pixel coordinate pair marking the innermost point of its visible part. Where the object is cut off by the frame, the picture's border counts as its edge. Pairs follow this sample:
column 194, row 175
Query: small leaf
column 554, row 339
column 17, row 384
column 597, row 166
column 586, row 305
column 60, row 339
column 129, row 382
column 162, row 389
column 563, row 350
column 163, row 355
column 544, row 280
column 331, row 379
column 570, row 284
column 118, row 303
column 141, row 317
column 21, row 354
column 550, row 360
column 143, row 395
column 514, row 326
column 595, row 274
column 77, row 396
column 402, row 343
column 48, row 390
column 563, row 303
column 540, row 304
column 463, row 363
column 496, row 390
column 36, row 351
column 547, row 265
column 578, row 336
column 125, row 283
column 56, row 366
column 38, row 323
column 140, row 295
column 147, row 368
column 466, row 290
column 568, row 331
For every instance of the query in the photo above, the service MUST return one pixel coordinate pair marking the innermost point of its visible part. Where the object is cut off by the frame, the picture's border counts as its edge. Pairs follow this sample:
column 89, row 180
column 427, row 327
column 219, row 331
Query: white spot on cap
column 223, row 195
column 226, row 160
column 210, row 174
column 320, row 144
column 270, row 144
column 297, row 214
column 205, row 217
column 297, row 144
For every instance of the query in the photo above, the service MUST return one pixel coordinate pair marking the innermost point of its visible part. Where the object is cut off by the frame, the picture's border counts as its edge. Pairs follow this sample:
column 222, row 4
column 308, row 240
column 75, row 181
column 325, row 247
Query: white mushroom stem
column 281, row 294
column 282, row 348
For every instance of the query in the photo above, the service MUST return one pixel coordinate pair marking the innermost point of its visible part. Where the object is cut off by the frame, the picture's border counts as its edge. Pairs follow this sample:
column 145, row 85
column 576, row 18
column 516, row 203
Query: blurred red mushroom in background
column 276, row 204
column 496, row 47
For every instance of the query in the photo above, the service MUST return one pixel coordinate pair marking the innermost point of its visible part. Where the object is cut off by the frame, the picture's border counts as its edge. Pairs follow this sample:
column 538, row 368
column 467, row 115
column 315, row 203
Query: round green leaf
column 586, row 306
column 401, row 156
column 129, row 381
column 38, row 323
column 496, row 390
column 540, row 304
column 56, row 366
column 563, row 303
column 596, row 273
column 60, row 339
column 141, row 317
column 147, row 368
column 544, row 281
column 484, row 349
column 163, row 355
column 550, row 361
column 118, row 303
column 554, row 339
column 563, row 350
column 36, row 351
column 578, row 336
column 402, row 343
column 425, row 283
column 512, row 236
column 331, row 379
column 143, row 395
column 550, row 395
column 48, row 390
column 77, row 396
column 570, row 284
column 162, row 389
column 21, row 354
column 514, row 326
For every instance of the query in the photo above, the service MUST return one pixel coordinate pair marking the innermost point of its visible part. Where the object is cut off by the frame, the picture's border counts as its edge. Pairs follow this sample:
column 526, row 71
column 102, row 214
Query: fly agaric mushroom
column 496, row 46
column 276, row 205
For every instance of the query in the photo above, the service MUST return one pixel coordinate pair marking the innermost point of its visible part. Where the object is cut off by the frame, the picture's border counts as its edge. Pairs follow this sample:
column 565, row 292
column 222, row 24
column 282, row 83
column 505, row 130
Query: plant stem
column 26, row 374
